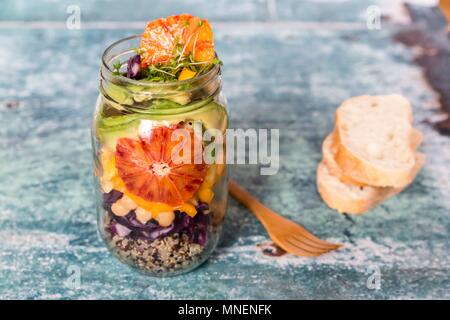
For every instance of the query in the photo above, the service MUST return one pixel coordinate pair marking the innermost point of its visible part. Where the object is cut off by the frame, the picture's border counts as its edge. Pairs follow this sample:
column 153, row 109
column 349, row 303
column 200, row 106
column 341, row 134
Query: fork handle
column 241, row 195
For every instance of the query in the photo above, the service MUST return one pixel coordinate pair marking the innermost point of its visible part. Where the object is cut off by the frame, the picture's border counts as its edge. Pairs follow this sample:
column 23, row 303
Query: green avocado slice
column 128, row 95
column 211, row 115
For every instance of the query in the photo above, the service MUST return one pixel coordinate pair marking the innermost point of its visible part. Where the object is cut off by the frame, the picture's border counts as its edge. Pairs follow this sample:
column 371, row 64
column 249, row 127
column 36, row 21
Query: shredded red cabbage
column 195, row 228
column 118, row 229
column 110, row 198
column 134, row 67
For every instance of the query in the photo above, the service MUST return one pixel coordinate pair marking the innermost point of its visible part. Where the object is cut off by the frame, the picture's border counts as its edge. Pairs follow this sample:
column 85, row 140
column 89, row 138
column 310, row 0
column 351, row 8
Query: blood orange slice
column 145, row 165
column 162, row 36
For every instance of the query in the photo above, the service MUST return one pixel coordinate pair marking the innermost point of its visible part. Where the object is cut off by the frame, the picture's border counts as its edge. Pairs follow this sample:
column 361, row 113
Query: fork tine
column 315, row 244
column 304, row 244
column 306, row 234
column 281, row 229
column 299, row 251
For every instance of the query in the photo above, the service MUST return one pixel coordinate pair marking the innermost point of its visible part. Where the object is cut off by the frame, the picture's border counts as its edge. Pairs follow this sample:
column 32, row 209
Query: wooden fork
column 288, row 235
column 445, row 8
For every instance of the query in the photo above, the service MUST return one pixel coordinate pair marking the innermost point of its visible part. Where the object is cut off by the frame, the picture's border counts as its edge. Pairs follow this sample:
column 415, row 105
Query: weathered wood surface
column 288, row 71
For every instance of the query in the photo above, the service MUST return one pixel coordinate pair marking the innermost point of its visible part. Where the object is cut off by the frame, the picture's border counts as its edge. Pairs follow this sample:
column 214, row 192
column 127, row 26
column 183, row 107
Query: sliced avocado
column 212, row 115
column 118, row 94
column 129, row 94
column 116, row 123
column 141, row 94
column 109, row 138
column 160, row 107
column 182, row 98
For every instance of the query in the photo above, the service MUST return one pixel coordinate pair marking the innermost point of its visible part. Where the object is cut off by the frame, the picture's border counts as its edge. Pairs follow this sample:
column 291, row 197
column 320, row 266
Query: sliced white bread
column 330, row 145
column 353, row 199
column 373, row 139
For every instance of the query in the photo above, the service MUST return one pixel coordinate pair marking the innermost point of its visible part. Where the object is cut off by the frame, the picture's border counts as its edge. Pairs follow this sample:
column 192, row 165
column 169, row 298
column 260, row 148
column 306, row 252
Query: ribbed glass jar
column 159, row 215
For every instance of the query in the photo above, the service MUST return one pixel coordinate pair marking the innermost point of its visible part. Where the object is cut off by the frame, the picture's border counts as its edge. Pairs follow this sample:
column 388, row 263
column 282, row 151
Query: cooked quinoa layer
column 171, row 253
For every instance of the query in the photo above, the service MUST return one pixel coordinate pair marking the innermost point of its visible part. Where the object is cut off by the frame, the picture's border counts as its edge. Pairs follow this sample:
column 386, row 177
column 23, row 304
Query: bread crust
column 362, row 171
column 330, row 147
column 351, row 181
column 337, row 200
column 344, row 203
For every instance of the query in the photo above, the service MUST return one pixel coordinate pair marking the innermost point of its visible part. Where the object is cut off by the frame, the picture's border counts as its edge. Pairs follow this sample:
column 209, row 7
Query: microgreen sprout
column 116, row 67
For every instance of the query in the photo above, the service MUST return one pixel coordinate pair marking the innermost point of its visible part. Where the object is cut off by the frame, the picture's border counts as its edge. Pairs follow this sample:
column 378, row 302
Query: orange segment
column 206, row 195
column 186, row 74
column 187, row 208
column 154, row 207
column 108, row 164
column 162, row 36
column 204, row 46
column 157, row 43
column 147, row 170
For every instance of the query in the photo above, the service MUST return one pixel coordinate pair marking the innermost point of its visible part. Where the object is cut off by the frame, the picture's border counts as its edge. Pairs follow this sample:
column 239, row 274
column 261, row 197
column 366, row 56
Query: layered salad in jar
column 160, row 215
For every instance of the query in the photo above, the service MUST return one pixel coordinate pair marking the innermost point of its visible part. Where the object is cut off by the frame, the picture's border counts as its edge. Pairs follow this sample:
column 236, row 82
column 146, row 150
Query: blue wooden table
column 287, row 65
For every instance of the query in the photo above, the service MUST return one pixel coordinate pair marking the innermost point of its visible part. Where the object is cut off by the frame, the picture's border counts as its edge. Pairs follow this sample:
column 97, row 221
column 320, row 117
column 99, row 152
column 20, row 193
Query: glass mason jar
column 159, row 215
